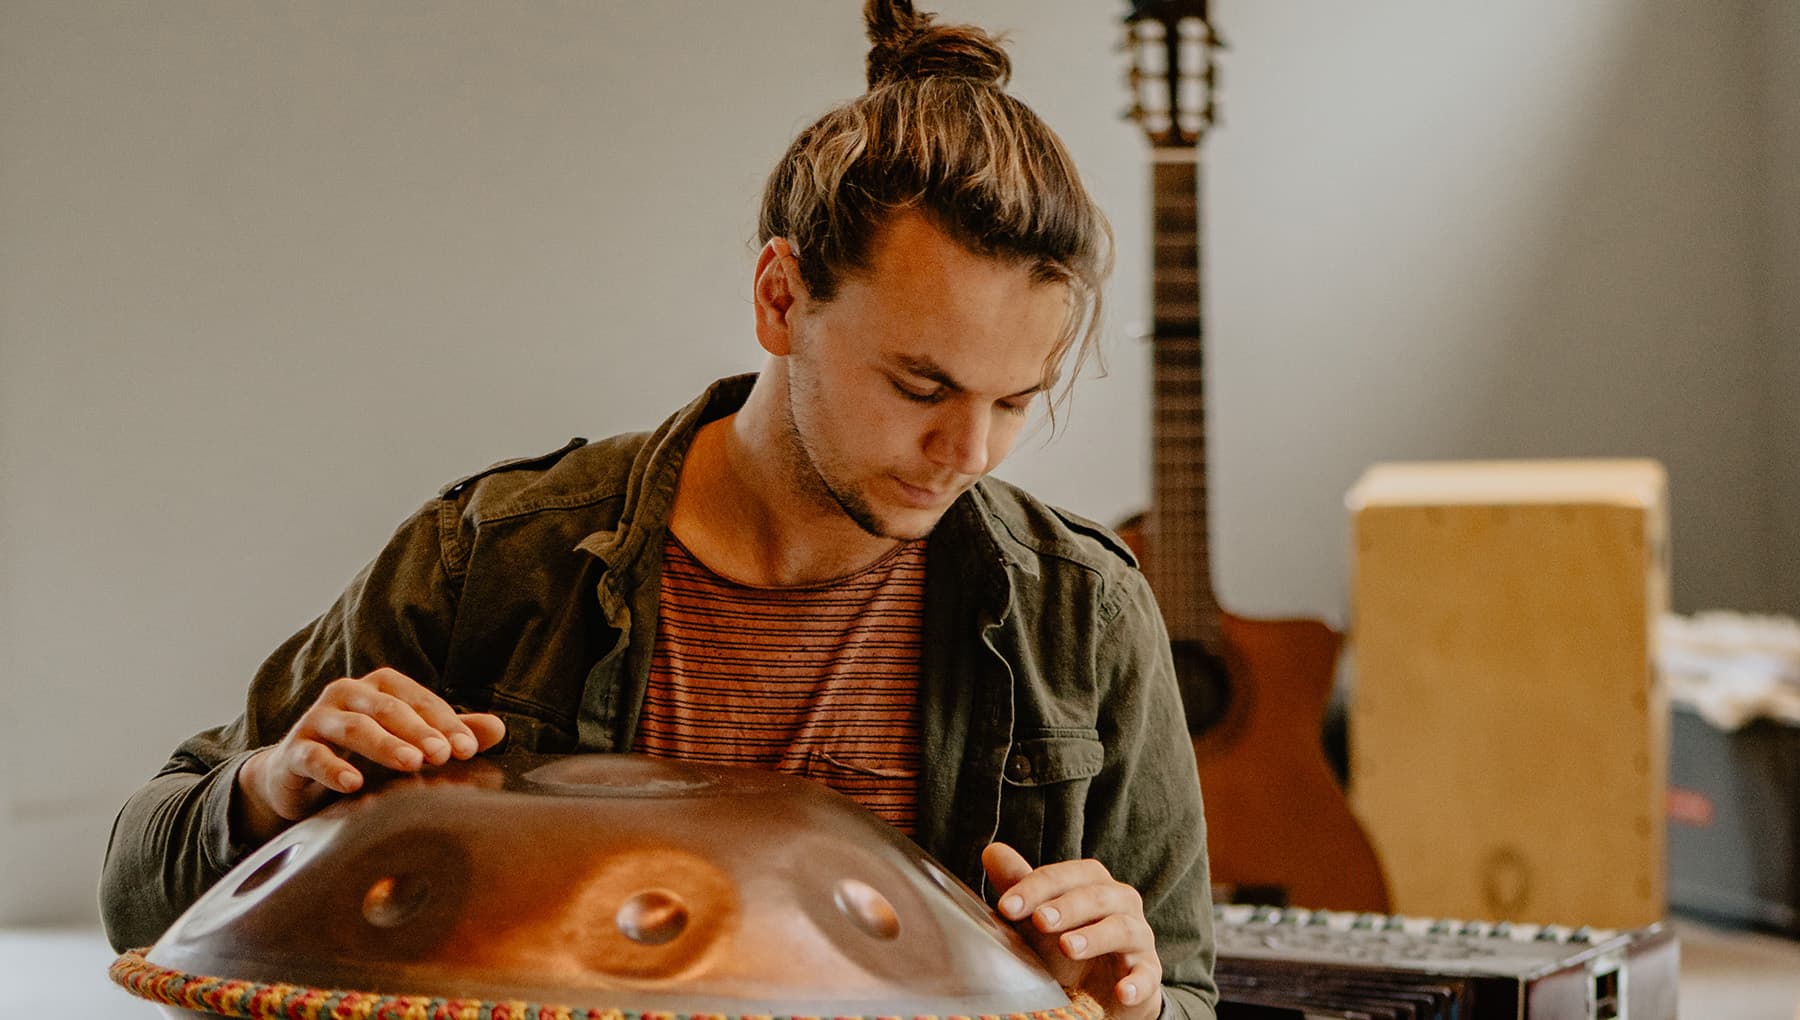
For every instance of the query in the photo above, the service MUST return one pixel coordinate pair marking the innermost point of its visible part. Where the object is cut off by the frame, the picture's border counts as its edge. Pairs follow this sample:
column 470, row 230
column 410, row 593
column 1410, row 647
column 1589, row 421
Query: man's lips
column 925, row 496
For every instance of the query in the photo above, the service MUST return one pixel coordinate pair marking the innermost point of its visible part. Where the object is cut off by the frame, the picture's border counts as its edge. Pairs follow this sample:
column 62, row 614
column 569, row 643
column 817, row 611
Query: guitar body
column 1278, row 828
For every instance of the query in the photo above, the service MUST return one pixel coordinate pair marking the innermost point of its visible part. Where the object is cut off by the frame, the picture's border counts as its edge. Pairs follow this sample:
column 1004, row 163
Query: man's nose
column 960, row 441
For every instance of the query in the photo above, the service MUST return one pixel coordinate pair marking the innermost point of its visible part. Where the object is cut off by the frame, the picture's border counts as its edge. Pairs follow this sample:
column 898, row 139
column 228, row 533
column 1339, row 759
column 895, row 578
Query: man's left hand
column 1086, row 926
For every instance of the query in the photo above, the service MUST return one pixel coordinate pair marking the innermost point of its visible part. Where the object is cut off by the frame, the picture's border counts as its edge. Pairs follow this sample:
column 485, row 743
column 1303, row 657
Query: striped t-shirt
column 819, row 681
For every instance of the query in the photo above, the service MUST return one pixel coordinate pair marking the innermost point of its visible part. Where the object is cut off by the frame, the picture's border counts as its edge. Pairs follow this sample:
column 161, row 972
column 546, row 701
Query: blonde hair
column 937, row 134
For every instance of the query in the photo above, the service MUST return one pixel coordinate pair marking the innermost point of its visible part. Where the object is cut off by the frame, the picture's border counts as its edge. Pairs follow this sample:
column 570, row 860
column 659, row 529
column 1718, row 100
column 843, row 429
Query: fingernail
column 465, row 745
column 348, row 780
column 1049, row 915
column 410, row 758
column 1012, row 906
column 1128, row 993
column 1077, row 943
column 437, row 748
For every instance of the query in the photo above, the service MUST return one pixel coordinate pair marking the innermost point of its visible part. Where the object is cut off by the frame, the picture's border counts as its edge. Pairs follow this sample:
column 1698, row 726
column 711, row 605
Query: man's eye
column 916, row 397
column 1016, row 407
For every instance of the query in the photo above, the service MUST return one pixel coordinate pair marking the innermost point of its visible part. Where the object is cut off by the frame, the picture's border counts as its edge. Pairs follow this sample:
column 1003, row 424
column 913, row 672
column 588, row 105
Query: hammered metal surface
column 611, row 881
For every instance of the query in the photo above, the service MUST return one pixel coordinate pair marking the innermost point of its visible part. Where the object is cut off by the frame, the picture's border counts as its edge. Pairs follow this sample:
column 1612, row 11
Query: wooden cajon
column 1508, row 731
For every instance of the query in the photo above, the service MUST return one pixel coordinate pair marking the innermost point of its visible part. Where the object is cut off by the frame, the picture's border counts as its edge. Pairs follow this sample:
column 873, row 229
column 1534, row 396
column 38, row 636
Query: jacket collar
column 967, row 537
column 655, row 471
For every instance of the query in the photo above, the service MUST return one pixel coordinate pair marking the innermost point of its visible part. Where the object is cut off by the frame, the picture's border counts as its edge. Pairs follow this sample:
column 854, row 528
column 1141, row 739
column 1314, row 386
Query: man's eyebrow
column 925, row 368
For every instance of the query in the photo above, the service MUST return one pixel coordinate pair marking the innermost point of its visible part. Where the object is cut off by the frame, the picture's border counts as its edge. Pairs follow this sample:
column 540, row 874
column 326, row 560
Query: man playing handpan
column 807, row 570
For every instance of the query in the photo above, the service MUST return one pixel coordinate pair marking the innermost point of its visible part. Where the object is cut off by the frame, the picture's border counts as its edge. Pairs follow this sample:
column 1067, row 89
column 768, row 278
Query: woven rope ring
column 252, row 1000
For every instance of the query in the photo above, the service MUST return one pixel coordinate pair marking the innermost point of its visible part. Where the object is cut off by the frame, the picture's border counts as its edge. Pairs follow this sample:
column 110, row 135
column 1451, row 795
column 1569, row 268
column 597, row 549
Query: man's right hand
column 386, row 717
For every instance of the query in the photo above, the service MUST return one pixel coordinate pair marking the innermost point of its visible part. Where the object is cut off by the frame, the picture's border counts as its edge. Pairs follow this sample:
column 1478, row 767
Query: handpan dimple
column 394, row 900
column 652, row 917
column 867, row 909
column 637, row 914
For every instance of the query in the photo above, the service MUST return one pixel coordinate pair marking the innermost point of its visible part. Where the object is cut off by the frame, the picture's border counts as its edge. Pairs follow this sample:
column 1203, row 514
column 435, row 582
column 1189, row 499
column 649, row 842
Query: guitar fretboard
column 1180, row 569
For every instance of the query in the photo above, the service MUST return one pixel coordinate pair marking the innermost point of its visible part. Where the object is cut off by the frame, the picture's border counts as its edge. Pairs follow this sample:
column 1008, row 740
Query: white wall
column 271, row 273
column 1449, row 230
column 1779, row 40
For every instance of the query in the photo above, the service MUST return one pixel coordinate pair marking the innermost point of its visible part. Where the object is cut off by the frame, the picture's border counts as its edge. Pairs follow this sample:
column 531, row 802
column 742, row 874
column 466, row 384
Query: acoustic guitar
column 1279, row 830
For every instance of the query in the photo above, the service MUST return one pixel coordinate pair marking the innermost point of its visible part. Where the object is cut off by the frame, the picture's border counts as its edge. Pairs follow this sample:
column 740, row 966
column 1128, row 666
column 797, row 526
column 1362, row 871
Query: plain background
column 272, row 273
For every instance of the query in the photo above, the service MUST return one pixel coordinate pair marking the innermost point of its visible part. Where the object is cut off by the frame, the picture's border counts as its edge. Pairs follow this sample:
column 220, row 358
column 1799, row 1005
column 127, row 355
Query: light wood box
column 1508, row 731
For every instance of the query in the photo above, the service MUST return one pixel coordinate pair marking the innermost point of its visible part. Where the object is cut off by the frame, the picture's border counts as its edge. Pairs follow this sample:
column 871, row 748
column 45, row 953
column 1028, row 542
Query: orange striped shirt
column 819, row 681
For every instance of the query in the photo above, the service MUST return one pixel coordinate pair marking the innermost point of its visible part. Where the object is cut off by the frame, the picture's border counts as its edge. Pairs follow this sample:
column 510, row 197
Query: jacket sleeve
column 172, row 840
column 1145, row 814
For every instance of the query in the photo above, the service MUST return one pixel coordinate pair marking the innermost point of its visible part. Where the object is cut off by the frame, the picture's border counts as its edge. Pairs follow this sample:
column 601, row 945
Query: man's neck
column 745, row 509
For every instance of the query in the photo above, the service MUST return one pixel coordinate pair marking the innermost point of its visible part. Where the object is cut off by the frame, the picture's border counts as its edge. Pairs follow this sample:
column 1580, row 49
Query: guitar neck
column 1180, row 570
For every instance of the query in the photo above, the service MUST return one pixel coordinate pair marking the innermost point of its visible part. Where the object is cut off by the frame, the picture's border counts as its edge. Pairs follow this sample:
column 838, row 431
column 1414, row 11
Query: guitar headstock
column 1173, row 74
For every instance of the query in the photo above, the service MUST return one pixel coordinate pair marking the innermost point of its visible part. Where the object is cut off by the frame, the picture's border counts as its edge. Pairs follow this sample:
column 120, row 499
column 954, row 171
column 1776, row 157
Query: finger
column 488, row 730
column 1047, row 883
column 432, row 708
column 312, row 761
column 1144, row 979
column 1119, row 934
column 1006, row 868
column 1087, row 904
column 1004, row 865
column 358, row 733
column 400, row 718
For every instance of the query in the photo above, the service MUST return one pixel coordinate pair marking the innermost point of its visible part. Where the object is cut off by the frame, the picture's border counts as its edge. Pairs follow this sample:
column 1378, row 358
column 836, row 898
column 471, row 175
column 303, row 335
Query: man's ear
column 777, row 289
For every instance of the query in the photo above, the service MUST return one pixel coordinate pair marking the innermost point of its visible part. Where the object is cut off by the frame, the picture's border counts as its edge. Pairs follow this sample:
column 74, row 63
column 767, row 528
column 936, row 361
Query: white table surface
column 61, row 972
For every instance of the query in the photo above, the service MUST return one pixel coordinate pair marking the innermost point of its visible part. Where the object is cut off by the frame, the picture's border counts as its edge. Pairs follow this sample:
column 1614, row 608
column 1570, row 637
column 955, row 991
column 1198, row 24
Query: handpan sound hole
column 652, row 918
column 266, row 871
column 394, row 900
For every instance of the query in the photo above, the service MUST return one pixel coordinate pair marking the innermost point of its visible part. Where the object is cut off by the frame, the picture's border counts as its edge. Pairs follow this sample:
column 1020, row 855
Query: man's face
column 917, row 378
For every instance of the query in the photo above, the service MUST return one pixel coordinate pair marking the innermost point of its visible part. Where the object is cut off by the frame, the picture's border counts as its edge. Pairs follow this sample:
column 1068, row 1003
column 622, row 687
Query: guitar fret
column 1183, row 405
column 1190, row 396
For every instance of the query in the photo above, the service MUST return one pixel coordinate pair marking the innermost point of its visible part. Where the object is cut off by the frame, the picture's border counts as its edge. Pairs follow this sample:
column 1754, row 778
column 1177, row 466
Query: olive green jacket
column 1051, row 717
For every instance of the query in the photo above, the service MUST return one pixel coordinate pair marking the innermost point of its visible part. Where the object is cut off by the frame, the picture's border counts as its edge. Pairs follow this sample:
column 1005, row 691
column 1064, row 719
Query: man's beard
column 853, row 505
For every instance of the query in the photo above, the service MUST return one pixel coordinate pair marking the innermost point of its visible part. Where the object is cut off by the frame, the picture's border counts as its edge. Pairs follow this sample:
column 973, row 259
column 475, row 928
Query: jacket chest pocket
column 1043, row 793
column 529, row 731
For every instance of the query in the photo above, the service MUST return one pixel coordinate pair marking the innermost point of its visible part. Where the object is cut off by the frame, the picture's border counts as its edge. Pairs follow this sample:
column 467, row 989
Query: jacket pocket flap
column 1036, row 761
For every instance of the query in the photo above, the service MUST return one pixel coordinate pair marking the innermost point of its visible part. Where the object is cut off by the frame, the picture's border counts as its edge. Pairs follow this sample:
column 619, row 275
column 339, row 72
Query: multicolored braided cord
column 253, row 1000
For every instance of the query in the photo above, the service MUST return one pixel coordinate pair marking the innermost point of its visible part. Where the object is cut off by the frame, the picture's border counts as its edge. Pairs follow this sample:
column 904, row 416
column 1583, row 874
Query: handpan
column 592, row 886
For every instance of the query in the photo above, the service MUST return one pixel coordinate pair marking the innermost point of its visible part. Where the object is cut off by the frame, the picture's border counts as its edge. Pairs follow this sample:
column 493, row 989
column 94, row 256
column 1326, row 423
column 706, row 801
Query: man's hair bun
column 906, row 45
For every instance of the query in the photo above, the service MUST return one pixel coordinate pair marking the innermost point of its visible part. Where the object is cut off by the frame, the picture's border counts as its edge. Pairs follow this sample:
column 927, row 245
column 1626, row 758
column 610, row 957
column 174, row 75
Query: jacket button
column 1018, row 767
